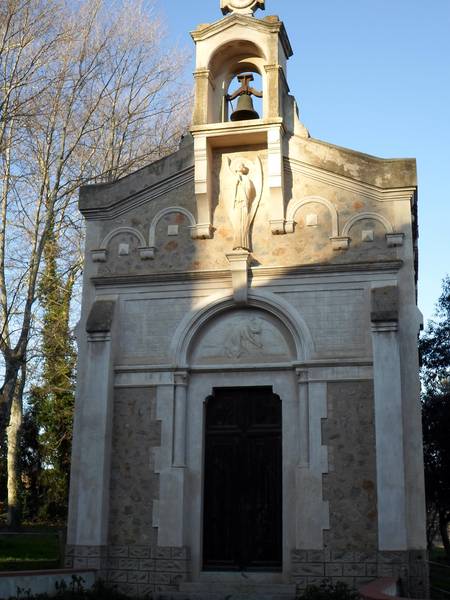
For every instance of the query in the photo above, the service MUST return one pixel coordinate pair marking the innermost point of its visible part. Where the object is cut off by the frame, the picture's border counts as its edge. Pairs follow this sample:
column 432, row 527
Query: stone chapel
column 247, row 413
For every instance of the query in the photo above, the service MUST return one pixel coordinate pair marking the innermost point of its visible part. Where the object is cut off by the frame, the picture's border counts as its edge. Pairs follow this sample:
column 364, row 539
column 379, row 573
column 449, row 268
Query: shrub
column 330, row 591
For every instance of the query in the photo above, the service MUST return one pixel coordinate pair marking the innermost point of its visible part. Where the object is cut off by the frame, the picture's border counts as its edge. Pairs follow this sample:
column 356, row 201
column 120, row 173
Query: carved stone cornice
column 392, row 266
column 350, row 184
column 270, row 24
column 132, row 201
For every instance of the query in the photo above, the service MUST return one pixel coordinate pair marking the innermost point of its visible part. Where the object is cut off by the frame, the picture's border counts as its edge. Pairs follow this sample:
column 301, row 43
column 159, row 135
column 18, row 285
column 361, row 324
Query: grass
column 439, row 574
column 25, row 552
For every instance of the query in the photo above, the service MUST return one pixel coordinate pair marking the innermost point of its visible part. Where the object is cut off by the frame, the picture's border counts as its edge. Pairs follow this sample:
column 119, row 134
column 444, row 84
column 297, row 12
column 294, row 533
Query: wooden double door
column 242, row 510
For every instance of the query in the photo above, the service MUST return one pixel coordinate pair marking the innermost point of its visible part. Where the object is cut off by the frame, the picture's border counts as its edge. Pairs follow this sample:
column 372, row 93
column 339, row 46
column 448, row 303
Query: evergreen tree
column 435, row 357
column 53, row 400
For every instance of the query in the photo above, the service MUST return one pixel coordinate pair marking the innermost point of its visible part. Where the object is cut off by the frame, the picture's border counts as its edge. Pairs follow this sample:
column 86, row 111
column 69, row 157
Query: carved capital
column 181, row 378
column 395, row 239
column 147, row 252
column 202, row 231
column 302, row 375
column 239, row 261
column 277, row 226
column 340, row 243
column 99, row 255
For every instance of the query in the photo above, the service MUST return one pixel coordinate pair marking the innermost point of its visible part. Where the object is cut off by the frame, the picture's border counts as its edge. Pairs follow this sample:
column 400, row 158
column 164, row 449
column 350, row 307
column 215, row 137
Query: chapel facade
column 247, row 413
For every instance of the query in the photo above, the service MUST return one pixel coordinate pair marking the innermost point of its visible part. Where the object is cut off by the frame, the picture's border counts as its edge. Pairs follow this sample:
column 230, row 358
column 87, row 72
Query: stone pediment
column 362, row 168
column 109, row 200
column 269, row 24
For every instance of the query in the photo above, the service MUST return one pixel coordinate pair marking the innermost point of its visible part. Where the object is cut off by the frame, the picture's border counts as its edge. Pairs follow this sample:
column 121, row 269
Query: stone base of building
column 134, row 570
column 311, row 567
column 144, row 570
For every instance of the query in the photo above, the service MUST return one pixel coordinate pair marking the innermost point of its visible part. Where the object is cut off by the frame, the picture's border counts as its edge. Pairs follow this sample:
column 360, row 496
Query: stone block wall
column 350, row 485
column 134, row 484
column 356, row 568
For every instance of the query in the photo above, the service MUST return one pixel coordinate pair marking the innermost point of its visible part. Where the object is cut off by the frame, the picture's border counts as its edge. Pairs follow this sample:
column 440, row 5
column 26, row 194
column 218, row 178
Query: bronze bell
column 245, row 109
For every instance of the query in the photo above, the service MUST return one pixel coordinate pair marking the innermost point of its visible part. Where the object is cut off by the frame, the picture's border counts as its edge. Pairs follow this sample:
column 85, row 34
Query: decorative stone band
column 135, row 570
column 358, row 568
column 384, row 326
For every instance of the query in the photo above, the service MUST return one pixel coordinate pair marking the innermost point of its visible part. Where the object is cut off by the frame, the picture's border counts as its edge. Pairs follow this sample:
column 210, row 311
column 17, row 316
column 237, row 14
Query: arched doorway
column 241, row 347
column 242, row 515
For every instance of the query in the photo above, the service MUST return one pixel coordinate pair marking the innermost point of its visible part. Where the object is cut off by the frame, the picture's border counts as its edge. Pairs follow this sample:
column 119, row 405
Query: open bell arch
column 231, row 59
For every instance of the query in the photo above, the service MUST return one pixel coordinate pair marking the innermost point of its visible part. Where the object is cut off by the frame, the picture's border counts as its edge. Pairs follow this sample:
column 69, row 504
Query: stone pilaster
column 391, row 493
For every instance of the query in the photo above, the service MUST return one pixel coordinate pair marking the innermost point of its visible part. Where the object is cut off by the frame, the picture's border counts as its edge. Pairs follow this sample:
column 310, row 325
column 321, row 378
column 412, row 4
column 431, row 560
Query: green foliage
column 76, row 591
column 51, row 404
column 26, row 552
column 435, row 346
column 435, row 360
column 330, row 591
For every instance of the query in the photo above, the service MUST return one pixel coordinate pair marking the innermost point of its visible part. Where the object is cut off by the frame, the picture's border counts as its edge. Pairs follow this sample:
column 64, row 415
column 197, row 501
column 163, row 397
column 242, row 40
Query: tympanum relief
column 243, row 336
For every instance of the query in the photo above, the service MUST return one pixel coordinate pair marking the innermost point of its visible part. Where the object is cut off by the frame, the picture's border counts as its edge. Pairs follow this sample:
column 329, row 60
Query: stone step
column 250, row 587
column 227, row 591
column 221, row 596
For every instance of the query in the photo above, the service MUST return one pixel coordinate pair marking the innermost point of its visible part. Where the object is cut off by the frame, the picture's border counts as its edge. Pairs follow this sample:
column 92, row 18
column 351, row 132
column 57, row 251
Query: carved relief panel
column 243, row 336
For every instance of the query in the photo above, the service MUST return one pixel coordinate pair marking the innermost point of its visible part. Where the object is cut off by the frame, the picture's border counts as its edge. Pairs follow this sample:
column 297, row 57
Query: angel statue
column 247, row 193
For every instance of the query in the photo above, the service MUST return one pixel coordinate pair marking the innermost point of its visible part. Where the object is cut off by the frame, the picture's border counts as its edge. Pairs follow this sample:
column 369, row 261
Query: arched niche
column 233, row 58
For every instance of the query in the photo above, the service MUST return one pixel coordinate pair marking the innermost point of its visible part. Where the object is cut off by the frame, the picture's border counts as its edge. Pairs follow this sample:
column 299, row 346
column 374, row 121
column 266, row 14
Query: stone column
column 179, row 435
column 276, row 179
column 202, row 84
column 274, row 108
column 391, row 497
column 90, row 475
column 312, row 510
column 202, row 186
column 303, row 425
column 172, row 410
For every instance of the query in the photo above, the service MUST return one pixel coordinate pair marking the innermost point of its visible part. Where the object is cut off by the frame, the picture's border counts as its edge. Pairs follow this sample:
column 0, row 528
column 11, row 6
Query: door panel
column 243, row 480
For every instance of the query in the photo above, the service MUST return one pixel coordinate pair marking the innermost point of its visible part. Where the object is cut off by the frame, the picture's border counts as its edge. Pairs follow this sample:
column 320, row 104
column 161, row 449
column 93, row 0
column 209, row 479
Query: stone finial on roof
column 241, row 7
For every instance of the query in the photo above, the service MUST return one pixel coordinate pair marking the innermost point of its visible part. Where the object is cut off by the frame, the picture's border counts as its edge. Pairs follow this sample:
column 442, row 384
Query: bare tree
column 88, row 92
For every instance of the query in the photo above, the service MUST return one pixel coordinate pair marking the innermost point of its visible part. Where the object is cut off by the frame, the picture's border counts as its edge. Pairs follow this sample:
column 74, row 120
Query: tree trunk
column 443, row 529
column 7, row 393
column 13, row 459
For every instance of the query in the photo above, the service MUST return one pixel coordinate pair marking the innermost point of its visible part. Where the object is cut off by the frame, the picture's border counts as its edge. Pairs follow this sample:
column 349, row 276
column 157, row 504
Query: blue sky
column 373, row 76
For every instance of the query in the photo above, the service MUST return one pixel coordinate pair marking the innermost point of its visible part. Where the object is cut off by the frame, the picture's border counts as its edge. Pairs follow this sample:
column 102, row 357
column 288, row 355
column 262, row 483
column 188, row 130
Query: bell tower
column 230, row 53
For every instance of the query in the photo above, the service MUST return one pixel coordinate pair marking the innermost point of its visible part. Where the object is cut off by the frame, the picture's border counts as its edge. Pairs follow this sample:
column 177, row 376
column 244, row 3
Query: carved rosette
column 241, row 7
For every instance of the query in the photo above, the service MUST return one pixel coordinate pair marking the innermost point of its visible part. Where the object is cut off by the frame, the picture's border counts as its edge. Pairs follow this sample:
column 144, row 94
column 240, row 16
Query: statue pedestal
column 239, row 261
